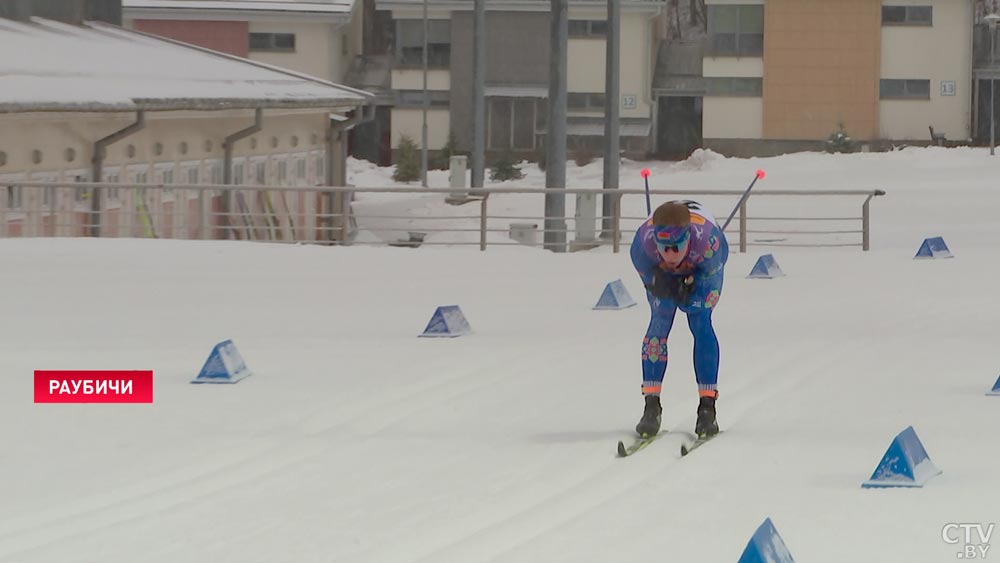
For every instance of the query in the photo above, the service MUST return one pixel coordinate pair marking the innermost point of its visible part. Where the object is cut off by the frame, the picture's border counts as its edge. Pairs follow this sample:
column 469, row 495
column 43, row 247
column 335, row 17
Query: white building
column 98, row 102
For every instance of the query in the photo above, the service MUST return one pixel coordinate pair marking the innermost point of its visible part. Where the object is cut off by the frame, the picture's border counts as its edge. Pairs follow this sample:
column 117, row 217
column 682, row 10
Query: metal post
column 612, row 88
column 482, row 222
column 617, row 226
column 479, row 95
column 427, row 102
column 975, row 109
column 555, row 167
column 993, row 118
column 866, row 224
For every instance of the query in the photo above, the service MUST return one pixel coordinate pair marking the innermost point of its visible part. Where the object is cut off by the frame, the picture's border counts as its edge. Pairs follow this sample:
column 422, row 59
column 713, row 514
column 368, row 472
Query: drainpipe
column 97, row 167
column 227, row 165
column 336, row 152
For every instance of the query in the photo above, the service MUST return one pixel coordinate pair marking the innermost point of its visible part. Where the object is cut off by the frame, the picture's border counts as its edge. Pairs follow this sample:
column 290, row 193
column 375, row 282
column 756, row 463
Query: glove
column 685, row 287
column 669, row 286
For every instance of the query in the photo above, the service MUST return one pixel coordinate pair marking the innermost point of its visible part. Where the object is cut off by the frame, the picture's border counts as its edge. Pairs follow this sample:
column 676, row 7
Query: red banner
column 75, row 386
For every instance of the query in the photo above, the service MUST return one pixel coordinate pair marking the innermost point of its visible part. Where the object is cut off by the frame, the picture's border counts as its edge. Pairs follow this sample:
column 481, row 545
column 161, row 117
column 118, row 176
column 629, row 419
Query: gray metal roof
column 53, row 66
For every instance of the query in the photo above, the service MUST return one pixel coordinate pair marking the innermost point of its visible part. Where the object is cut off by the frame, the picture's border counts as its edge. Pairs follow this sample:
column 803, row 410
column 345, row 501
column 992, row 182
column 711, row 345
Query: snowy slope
column 357, row 441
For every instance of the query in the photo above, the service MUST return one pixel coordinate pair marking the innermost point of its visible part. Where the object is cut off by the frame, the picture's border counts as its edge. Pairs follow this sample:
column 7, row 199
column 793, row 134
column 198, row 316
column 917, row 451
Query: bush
column 840, row 142
column 504, row 169
column 407, row 161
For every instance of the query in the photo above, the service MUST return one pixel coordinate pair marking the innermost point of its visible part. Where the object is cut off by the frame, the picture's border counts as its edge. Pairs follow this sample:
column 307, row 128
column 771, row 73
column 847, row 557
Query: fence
column 489, row 217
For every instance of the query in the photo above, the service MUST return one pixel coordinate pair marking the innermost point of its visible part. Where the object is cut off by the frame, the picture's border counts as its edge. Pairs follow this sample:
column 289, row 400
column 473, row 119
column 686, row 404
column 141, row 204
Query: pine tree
column 407, row 161
column 504, row 169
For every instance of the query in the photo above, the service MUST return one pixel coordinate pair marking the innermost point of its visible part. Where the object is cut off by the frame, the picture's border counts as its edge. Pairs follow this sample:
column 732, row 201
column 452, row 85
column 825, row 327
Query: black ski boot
column 649, row 424
column 706, row 425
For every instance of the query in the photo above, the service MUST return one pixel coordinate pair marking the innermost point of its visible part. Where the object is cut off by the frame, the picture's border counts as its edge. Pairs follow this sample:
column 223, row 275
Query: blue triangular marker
column 615, row 296
column 447, row 321
column 905, row 464
column 766, row 268
column 766, row 546
column 996, row 388
column 933, row 248
column 224, row 365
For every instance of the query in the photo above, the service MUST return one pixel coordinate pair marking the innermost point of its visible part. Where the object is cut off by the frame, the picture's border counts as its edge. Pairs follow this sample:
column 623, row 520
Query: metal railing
column 314, row 215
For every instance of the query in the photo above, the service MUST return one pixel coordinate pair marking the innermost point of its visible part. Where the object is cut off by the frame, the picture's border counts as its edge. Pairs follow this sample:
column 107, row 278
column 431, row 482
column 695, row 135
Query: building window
column 15, row 199
column 410, row 43
column 238, row 173
column 276, row 42
column 907, row 15
column 588, row 28
column 282, row 172
column 511, row 123
column 736, row 30
column 81, row 194
column 734, row 86
column 585, row 101
column 112, row 178
column 904, row 89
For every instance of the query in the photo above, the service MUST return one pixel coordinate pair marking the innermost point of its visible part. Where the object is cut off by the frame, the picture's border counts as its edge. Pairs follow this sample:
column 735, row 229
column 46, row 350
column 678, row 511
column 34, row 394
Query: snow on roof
column 101, row 67
column 316, row 6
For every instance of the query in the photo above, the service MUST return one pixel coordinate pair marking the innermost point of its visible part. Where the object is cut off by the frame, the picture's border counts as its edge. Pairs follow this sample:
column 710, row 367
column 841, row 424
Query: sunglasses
column 670, row 247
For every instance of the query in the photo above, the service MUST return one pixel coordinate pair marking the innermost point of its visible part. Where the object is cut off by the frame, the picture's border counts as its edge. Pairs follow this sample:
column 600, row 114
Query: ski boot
column 707, row 425
column 649, row 424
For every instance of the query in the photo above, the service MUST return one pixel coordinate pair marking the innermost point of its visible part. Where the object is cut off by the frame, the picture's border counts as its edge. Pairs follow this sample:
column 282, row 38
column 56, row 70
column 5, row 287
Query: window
column 282, row 172
column 300, row 169
column 280, row 42
column 410, row 43
column 238, row 173
column 588, row 28
column 112, row 178
column 904, row 89
column 81, row 194
column 734, row 86
column 511, row 123
column 907, row 15
column 15, row 199
column 580, row 101
column 736, row 30
column 166, row 179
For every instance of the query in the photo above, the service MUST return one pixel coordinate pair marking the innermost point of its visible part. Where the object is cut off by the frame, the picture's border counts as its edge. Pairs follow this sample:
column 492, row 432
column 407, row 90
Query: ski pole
column 757, row 176
column 645, row 176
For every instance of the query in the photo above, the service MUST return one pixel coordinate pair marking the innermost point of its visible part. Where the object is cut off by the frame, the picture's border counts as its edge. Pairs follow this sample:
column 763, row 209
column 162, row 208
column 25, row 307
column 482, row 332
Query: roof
column 102, row 67
column 269, row 7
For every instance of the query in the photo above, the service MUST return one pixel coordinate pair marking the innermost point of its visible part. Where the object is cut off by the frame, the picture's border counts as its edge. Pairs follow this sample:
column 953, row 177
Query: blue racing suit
column 706, row 257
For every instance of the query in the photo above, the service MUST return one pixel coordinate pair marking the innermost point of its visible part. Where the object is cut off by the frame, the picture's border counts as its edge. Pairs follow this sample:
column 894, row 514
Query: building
column 322, row 38
column 517, row 73
column 318, row 38
column 783, row 75
column 98, row 102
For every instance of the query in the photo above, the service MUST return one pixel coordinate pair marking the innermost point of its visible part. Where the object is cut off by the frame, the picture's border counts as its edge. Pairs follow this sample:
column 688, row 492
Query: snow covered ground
column 356, row 441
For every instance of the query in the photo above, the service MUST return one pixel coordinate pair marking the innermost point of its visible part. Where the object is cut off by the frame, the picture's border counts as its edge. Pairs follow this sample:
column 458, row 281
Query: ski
column 694, row 442
column 640, row 443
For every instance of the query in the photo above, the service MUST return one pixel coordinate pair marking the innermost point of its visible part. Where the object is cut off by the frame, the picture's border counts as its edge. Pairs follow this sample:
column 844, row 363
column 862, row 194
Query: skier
column 680, row 253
